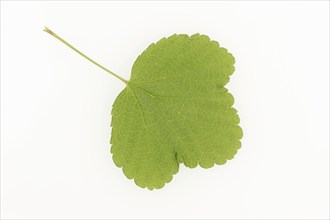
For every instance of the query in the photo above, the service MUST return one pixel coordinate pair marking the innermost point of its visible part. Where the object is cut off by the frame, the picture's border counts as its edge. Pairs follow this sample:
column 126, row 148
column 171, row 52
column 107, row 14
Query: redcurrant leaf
column 174, row 109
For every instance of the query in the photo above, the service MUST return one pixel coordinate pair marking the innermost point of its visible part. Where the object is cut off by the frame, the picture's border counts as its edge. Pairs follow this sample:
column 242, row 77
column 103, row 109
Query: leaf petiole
column 79, row 52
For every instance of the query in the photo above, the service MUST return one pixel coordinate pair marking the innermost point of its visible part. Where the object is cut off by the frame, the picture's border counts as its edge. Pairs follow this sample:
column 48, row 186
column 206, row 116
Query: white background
column 55, row 110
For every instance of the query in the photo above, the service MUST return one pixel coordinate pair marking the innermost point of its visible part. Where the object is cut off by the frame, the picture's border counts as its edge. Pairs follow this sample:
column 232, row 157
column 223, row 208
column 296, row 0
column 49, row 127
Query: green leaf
column 175, row 109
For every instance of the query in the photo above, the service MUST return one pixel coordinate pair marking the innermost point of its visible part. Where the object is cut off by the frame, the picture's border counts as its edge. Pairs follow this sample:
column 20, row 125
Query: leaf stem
column 83, row 55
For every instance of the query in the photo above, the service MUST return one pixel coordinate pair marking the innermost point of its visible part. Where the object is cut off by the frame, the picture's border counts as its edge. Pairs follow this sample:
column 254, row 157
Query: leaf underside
column 175, row 109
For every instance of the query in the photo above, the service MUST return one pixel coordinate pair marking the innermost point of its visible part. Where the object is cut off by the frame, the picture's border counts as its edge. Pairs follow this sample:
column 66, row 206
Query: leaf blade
column 174, row 110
